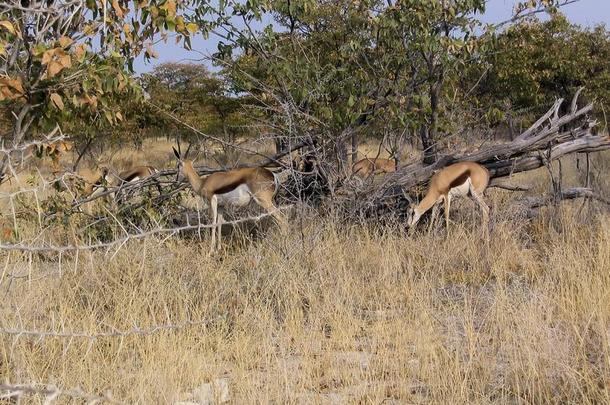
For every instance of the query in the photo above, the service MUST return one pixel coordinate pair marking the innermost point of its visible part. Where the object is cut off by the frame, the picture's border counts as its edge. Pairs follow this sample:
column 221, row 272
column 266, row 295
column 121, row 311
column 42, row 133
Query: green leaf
column 351, row 101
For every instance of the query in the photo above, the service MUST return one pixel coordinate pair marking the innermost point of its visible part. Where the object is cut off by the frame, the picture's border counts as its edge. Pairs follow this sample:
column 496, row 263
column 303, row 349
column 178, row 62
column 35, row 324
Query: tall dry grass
column 329, row 313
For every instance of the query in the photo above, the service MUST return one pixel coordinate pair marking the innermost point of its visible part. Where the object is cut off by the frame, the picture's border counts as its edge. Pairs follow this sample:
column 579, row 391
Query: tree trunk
column 427, row 144
column 354, row 148
column 432, row 136
column 21, row 126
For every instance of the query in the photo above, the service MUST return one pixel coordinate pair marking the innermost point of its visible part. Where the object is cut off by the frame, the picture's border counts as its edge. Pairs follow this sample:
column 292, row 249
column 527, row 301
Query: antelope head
column 412, row 214
column 181, row 161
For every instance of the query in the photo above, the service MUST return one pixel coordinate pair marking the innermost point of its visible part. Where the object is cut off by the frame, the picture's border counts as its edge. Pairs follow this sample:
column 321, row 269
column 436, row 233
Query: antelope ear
column 176, row 153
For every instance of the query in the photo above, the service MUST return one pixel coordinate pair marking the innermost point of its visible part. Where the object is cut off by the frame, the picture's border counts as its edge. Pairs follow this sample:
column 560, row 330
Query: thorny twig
column 121, row 241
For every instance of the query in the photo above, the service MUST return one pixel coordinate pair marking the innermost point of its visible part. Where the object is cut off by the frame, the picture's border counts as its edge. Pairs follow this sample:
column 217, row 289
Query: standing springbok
column 235, row 188
column 55, row 150
column 456, row 180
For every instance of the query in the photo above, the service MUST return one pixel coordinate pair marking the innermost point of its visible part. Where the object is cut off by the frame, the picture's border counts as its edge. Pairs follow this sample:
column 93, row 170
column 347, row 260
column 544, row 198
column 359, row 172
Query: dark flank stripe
column 131, row 176
column 461, row 179
column 227, row 188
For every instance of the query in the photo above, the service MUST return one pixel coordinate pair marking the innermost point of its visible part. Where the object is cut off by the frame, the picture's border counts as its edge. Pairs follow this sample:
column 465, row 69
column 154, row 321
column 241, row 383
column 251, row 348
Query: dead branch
column 496, row 183
column 502, row 160
column 532, row 205
column 569, row 194
column 128, row 237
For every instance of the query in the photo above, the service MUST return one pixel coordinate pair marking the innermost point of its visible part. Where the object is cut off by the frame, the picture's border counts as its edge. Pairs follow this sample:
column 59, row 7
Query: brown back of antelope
column 126, row 176
column 233, row 187
column 456, row 180
column 365, row 167
column 136, row 173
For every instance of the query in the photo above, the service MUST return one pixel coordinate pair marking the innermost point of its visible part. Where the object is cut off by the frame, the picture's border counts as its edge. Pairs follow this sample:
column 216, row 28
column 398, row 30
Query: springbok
column 235, row 188
column 365, row 167
column 54, row 150
column 456, row 180
column 106, row 180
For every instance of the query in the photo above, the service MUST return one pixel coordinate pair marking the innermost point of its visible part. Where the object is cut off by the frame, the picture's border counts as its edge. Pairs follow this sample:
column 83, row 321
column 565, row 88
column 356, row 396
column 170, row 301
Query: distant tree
column 347, row 65
column 532, row 63
column 194, row 95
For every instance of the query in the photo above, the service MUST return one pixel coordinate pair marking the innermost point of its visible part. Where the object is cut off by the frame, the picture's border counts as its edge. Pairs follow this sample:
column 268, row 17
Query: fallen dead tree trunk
column 548, row 139
column 532, row 205
column 545, row 141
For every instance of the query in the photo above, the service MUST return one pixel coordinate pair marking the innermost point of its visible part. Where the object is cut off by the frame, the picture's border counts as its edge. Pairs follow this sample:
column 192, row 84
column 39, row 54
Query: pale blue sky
column 583, row 12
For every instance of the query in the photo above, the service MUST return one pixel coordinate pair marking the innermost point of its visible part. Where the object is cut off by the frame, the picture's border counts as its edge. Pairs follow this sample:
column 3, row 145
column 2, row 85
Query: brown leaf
column 17, row 85
column 80, row 51
column 170, row 6
column 119, row 116
column 150, row 51
column 11, row 88
column 117, row 8
column 53, row 69
column 65, row 42
column 65, row 61
column 57, row 101
column 122, row 83
column 47, row 56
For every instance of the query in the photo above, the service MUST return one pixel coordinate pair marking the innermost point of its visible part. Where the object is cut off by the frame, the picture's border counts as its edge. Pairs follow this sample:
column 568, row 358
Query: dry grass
column 336, row 313
column 330, row 313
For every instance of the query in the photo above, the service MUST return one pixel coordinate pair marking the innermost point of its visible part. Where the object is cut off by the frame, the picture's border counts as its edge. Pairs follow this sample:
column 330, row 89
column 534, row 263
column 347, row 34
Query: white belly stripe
column 461, row 190
column 238, row 197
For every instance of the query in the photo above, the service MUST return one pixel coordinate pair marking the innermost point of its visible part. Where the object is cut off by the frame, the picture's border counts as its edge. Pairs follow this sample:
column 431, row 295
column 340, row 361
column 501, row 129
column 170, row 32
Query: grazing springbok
column 132, row 175
column 365, row 167
column 232, row 188
column 456, row 180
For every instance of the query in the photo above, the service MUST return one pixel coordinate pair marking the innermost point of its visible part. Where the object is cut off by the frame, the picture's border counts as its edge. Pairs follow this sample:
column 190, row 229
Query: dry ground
column 330, row 313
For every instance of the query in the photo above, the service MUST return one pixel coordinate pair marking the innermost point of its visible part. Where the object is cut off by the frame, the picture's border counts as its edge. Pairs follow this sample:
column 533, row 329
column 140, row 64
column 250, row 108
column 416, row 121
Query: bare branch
column 121, row 241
